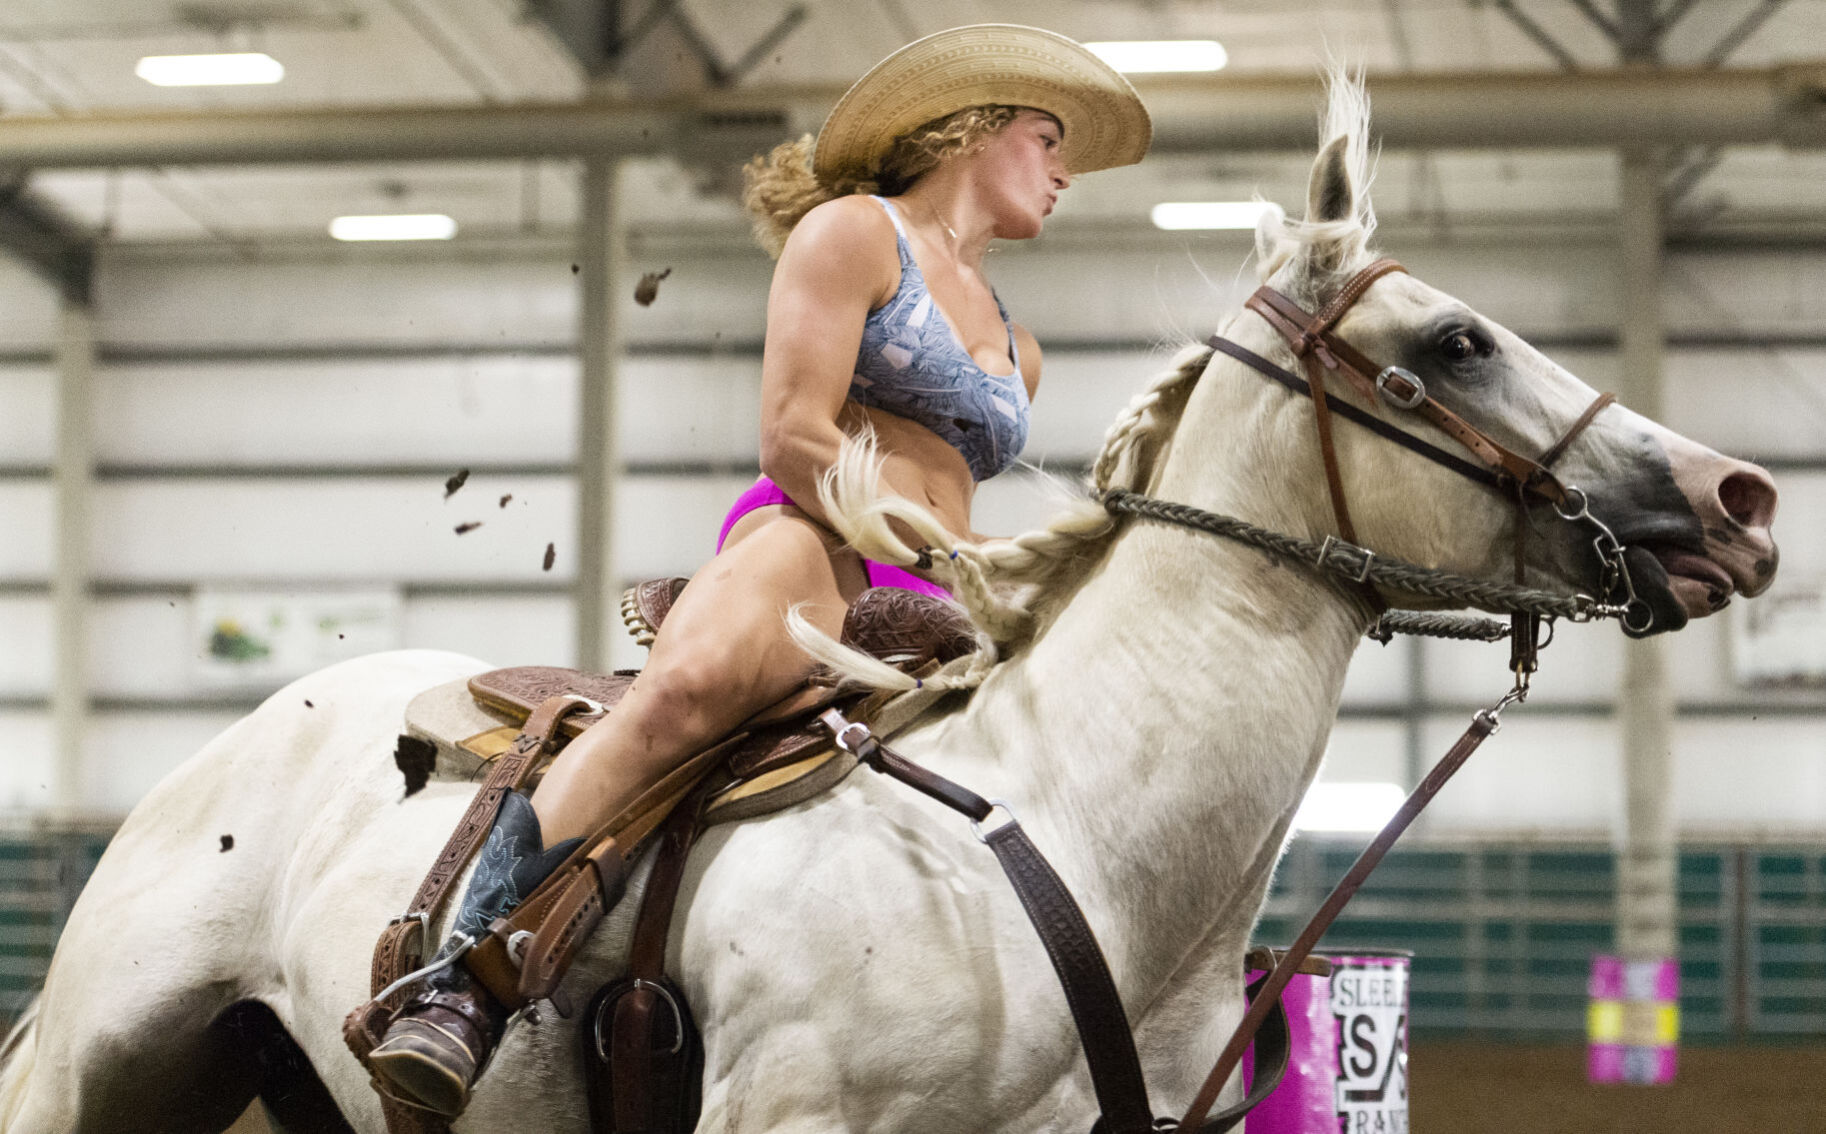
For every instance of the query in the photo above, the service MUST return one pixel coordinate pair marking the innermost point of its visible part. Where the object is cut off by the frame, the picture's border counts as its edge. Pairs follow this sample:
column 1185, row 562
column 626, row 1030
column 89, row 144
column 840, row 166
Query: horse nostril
column 1748, row 496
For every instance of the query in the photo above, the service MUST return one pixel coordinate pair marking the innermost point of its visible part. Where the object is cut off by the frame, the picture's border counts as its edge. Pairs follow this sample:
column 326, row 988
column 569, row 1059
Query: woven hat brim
column 1105, row 123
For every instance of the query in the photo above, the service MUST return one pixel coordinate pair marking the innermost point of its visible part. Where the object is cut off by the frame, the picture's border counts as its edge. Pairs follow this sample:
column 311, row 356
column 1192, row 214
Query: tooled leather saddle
column 643, row 1064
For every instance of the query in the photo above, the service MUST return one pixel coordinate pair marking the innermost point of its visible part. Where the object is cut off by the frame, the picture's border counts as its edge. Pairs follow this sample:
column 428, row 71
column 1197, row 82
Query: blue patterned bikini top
column 912, row 365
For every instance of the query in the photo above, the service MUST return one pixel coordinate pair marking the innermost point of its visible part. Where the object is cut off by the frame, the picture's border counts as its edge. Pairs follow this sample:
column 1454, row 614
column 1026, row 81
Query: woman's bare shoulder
column 848, row 241
column 856, row 216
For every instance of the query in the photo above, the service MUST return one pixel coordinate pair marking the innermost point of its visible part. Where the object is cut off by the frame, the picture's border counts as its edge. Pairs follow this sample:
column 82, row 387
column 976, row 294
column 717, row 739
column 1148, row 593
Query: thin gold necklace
column 933, row 209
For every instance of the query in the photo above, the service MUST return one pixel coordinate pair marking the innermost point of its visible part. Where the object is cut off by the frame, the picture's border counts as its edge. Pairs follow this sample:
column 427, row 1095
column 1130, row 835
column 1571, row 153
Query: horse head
column 1692, row 524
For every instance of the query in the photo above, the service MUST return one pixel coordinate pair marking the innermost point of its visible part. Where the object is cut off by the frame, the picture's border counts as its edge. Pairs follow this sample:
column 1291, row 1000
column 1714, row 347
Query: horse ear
column 1329, row 195
column 1331, row 199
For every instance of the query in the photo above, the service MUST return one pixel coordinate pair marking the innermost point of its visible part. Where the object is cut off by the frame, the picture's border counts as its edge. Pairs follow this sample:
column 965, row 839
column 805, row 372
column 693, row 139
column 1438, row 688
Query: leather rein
column 1090, row 991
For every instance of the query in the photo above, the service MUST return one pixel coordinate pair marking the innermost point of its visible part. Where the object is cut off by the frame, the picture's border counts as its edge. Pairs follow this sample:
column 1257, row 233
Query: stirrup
column 421, row 973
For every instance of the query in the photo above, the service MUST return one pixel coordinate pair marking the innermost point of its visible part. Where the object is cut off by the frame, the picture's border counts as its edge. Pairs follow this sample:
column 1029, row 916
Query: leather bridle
column 1314, row 341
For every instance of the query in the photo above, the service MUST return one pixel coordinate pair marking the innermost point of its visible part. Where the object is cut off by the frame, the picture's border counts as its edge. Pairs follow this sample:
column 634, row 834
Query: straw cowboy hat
column 981, row 64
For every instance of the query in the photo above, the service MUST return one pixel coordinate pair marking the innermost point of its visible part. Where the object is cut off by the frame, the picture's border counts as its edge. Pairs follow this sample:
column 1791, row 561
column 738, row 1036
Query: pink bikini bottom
column 765, row 492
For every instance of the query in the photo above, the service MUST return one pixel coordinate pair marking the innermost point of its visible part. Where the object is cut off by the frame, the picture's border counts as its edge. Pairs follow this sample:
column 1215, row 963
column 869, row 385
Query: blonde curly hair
column 779, row 188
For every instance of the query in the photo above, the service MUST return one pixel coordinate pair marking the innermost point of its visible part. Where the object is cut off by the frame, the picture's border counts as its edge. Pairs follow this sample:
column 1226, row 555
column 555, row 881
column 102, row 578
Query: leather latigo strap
column 561, row 912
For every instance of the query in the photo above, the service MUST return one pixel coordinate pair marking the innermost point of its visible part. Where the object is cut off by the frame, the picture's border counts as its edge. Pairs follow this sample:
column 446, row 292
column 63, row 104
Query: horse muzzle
column 1731, row 552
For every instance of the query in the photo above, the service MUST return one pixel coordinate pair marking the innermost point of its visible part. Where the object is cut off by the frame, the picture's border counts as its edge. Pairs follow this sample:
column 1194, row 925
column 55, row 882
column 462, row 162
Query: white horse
column 858, row 962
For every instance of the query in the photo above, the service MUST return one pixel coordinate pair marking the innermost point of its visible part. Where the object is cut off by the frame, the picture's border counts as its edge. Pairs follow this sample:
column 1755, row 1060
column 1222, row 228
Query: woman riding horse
column 880, row 322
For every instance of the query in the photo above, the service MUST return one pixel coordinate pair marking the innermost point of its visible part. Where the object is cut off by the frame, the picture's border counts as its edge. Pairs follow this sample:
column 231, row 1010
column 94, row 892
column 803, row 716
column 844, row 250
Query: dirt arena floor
column 1492, row 1089
column 1463, row 1088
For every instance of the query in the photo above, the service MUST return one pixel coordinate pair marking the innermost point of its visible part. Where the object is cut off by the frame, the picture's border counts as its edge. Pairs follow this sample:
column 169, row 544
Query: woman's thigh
column 727, row 630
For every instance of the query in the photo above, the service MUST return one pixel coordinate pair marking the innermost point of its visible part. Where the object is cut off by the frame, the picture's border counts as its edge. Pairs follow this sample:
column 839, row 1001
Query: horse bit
column 1090, row 991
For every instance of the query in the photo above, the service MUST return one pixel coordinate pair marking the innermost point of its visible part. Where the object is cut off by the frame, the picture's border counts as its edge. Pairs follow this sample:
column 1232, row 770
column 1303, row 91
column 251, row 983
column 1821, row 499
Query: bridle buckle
column 1413, row 400
column 1347, row 549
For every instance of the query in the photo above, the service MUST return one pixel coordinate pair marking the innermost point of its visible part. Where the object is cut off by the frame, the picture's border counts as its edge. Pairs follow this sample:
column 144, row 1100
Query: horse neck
column 1165, row 725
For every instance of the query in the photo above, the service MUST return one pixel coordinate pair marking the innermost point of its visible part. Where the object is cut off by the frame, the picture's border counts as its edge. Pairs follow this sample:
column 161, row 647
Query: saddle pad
column 466, row 735
column 780, row 788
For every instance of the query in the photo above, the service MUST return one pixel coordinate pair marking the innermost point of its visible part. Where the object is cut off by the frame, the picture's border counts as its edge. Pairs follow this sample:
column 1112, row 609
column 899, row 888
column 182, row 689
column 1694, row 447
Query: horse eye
column 1458, row 346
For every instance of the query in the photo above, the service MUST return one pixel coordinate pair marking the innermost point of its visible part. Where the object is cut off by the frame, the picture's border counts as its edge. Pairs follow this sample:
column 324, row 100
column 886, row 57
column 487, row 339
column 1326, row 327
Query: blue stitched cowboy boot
column 438, row 1042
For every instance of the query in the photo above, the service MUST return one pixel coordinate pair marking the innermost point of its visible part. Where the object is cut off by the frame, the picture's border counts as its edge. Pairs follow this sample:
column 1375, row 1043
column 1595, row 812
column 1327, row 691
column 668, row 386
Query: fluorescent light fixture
column 1348, row 807
column 233, row 69
column 1207, row 214
column 1139, row 56
column 402, row 226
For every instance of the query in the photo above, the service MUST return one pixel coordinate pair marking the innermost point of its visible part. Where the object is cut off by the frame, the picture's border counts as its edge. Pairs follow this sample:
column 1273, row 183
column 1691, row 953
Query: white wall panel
column 376, row 529
column 358, row 299
column 1378, row 674
column 499, row 630
column 1581, row 664
column 1800, row 526
column 144, row 646
column 1540, row 774
column 25, row 646
column 667, row 525
column 25, row 773
column 28, row 415
column 1366, row 752
column 1018, row 501
column 1748, row 403
column 1080, row 394
column 1764, row 777
column 1078, row 292
column 459, row 410
column 390, row 528
column 28, row 308
column 477, row 409
column 125, row 753
column 355, row 530
column 365, row 299
column 25, row 529
column 1073, row 290
column 1764, row 290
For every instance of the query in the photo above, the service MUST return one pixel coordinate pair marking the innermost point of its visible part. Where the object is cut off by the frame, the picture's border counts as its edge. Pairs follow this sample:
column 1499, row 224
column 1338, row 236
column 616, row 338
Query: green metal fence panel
column 1502, row 934
column 41, row 872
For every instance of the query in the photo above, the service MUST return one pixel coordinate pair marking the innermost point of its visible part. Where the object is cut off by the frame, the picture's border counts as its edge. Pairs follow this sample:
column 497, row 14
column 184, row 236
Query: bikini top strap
column 1014, row 348
column 906, row 251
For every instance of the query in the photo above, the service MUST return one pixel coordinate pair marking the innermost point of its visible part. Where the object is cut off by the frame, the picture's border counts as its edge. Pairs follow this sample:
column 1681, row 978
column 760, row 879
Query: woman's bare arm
column 838, row 264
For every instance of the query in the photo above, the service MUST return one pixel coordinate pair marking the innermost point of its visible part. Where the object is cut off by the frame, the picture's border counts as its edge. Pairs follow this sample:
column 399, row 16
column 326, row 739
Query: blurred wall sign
column 243, row 638
column 1780, row 638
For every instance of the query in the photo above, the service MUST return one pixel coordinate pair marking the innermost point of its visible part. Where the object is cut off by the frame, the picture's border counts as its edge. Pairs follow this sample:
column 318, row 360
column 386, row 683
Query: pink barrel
column 1348, row 1068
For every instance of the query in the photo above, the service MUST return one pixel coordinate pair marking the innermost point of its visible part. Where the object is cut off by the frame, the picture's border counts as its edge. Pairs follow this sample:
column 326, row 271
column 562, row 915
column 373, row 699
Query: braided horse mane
column 1011, row 588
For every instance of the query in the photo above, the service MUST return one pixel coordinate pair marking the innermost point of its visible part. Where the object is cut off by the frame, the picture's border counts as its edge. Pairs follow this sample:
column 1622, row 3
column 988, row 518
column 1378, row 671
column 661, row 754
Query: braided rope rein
column 1356, row 564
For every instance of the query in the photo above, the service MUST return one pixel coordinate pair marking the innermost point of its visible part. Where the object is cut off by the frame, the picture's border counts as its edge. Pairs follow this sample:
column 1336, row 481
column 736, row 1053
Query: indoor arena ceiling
column 71, row 58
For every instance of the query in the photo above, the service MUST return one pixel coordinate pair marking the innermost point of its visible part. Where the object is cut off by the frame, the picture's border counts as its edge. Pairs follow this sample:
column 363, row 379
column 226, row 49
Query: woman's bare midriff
column 920, row 465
